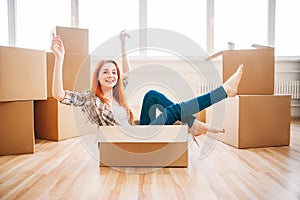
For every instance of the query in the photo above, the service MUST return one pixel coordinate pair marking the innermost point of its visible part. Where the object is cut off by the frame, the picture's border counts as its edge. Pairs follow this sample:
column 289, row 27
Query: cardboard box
column 259, row 72
column 201, row 116
column 76, row 40
column 143, row 146
column 76, row 72
column 56, row 121
column 255, row 120
column 22, row 74
column 16, row 127
column 53, row 120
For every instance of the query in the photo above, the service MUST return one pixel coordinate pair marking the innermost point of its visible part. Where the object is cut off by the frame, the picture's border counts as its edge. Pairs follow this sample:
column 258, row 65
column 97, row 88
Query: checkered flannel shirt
column 95, row 110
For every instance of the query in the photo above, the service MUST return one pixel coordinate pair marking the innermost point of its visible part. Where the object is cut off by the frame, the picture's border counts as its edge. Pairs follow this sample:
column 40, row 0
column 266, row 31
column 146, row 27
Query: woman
column 105, row 103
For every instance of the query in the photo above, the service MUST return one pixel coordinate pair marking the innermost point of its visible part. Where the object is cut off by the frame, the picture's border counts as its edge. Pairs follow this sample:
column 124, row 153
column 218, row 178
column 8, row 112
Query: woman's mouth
column 110, row 81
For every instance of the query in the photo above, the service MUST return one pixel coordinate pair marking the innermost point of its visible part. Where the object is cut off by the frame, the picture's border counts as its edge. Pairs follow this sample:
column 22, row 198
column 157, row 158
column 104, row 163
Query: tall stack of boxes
column 53, row 120
column 23, row 80
column 255, row 117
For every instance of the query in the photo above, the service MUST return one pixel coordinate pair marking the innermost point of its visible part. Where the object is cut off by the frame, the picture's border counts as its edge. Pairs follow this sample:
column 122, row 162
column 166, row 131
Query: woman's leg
column 155, row 100
column 178, row 111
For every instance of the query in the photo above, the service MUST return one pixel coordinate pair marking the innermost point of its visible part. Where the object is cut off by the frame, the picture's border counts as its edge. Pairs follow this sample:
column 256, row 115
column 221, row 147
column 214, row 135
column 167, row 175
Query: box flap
column 257, row 46
column 147, row 134
column 215, row 55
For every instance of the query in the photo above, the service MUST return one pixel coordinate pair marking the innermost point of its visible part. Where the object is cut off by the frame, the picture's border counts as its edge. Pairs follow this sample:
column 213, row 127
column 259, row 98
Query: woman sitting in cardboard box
column 105, row 103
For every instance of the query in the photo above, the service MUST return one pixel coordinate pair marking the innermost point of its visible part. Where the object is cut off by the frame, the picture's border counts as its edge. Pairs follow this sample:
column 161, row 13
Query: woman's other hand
column 57, row 46
column 123, row 35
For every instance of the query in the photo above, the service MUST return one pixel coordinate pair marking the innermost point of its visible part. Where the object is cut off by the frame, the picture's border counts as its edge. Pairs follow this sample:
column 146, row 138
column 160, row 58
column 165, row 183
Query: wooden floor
column 65, row 170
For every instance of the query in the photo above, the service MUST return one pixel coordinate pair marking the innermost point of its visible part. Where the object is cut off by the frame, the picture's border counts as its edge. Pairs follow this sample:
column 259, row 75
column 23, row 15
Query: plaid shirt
column 95, row 110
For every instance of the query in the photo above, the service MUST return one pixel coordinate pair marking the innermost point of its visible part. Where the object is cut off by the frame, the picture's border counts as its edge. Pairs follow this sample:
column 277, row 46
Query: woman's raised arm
column 125, row 62
column 58, row 49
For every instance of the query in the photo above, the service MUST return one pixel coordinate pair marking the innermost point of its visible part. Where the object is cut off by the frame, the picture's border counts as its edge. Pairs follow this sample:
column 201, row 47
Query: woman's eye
column 114, row 72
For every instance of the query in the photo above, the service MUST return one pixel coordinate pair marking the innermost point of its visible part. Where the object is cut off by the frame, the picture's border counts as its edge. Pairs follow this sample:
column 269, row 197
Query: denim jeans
column 171, row 112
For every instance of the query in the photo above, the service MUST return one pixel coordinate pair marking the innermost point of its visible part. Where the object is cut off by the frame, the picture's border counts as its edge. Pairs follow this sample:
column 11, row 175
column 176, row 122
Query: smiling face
column 108, row 76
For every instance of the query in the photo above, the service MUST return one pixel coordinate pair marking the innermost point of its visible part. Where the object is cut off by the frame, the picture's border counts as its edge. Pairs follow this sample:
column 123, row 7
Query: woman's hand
column 123, row 35
column 57, row 46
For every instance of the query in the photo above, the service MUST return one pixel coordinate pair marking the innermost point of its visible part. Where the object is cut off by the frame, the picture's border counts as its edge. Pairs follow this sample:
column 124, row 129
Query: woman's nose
column 110, row 74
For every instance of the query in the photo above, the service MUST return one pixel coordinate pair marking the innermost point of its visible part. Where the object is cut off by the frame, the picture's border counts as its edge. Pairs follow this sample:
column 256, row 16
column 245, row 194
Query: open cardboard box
column 258, row 76
column 255, row 120
column 143, row 146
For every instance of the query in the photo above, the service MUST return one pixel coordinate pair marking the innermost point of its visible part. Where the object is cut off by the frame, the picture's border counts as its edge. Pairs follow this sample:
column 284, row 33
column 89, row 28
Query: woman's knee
column 151, row 94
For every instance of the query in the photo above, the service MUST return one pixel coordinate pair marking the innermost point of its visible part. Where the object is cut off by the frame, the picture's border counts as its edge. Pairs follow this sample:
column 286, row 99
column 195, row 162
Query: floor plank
column 65, row 170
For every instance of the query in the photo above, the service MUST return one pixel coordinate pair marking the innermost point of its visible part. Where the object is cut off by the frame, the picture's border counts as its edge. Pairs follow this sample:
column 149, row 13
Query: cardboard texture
column 256, row 120
column 259, row 72
column 76, row 72
column 53, row 120
column 201, row 116
column 76, row 40
column 143, row 155
column 17, row 127
column 22, row 74
column 144, row 146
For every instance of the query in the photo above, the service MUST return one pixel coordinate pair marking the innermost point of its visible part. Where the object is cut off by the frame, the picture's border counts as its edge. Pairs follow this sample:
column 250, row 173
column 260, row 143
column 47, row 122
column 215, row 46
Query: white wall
column 289, row 69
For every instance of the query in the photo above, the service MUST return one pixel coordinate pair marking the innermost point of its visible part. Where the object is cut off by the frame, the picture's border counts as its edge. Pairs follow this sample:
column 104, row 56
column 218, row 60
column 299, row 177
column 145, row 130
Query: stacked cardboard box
column 23, row 74
column 255, row 117
column 23, row 80
column 53, row 120
column 76, row 40
column 258, row 76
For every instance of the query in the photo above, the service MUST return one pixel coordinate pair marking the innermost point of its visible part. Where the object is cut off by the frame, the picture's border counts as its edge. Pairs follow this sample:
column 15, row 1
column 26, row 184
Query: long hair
column 118, row 89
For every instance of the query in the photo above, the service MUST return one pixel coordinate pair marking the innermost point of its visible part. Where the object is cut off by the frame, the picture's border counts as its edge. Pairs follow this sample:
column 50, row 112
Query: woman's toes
column 232, row 84
column 199, row 128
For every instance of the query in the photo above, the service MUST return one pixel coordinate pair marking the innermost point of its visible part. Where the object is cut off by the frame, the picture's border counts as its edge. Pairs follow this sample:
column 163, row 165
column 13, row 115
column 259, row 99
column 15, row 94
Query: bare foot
column 199, row 128
column 232, row 84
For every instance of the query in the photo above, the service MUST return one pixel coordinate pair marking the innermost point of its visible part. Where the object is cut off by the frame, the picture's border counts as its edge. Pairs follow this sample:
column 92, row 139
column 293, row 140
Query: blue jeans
column 171, row 112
